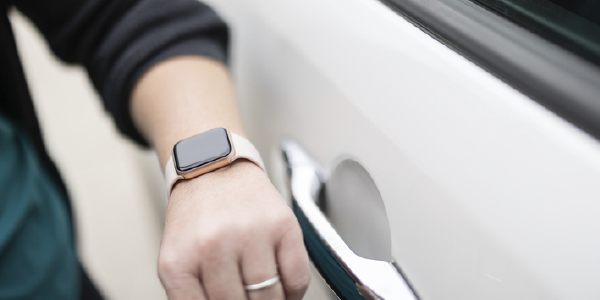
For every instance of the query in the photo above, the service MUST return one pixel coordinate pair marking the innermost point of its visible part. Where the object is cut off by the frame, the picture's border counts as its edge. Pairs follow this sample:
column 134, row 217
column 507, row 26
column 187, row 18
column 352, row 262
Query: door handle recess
column 348, row 275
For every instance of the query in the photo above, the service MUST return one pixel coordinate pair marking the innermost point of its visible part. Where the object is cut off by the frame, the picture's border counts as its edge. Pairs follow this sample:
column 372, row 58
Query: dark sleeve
column 117, row 41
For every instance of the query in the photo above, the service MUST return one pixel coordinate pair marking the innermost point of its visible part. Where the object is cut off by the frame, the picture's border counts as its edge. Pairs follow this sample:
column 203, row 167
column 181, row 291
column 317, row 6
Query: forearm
column 182, row 97
column 224, row 229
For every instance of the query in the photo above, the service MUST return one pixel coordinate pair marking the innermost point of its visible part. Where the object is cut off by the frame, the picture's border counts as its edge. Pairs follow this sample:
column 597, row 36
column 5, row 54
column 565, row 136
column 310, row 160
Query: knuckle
column 209, row 243
column 284, row 220
column 169, row 266
column 243, row 228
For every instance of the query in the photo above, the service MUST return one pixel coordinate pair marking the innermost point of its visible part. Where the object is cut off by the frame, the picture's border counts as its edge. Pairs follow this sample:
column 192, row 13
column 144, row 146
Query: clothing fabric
column 116, row 41
column 37, row 254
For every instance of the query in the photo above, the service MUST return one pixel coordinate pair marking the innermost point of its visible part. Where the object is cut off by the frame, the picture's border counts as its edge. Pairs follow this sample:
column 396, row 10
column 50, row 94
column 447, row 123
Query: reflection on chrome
column 371, row 279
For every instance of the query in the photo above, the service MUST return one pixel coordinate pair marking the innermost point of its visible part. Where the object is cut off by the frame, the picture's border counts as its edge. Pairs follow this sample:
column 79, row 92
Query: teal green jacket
column 37, row 253
column 116, row 41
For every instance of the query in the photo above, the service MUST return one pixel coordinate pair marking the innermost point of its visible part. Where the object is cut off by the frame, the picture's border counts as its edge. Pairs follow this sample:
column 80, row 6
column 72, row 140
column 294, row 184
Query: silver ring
column 265, row 284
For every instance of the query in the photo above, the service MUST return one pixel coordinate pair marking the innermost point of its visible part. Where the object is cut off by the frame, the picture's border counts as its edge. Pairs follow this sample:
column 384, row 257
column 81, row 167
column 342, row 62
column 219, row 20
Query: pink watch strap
column 245, row 149
column 171, row 175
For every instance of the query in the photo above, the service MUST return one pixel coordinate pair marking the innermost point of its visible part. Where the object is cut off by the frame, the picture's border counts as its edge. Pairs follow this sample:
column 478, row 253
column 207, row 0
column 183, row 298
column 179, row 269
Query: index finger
column 180, row 286
column 292, row 259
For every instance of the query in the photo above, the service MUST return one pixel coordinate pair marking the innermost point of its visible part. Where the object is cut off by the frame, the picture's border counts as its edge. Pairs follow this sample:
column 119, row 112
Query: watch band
column 242, row 148
column 245, row 149
column 171, row 175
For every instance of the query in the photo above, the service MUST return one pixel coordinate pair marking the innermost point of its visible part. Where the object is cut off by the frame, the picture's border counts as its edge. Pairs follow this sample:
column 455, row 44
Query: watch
column 206, row 152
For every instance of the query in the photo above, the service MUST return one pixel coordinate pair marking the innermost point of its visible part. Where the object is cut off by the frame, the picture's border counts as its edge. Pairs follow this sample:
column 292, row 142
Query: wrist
column 240, row 171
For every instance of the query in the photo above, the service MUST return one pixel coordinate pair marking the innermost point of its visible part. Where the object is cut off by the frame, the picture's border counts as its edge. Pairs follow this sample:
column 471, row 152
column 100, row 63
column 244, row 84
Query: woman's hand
column 230, row 228
column 227, row 228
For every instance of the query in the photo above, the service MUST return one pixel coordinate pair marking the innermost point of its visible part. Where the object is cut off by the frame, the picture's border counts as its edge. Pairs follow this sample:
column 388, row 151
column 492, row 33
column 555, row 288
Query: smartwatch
column 206, row 152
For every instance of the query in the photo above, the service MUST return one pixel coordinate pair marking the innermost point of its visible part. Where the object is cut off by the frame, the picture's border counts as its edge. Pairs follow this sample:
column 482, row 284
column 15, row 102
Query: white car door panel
column 488, row 194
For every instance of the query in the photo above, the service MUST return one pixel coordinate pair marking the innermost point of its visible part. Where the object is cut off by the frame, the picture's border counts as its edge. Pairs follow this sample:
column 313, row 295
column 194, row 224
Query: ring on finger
column 262, row 285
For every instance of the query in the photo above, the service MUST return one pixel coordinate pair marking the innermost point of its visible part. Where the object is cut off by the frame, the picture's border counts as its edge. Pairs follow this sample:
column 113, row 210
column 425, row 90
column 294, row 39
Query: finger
column 183, row 287
column 258, row 265
column 221, row 276
column 293, row 264
column 180, row 282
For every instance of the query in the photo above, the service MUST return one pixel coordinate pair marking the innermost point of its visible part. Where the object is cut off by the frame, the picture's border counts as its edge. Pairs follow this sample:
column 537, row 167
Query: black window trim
column 559, row 80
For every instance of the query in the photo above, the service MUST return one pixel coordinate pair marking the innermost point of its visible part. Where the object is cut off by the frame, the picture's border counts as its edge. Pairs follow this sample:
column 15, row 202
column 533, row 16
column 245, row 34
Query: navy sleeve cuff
column 120, row 87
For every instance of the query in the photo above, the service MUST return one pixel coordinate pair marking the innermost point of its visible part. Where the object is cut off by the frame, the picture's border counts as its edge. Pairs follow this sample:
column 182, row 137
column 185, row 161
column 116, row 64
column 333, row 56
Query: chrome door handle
column 349, row 275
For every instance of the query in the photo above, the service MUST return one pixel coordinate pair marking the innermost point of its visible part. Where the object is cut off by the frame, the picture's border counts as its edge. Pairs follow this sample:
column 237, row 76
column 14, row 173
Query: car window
column 572, row 24
column 516, row 40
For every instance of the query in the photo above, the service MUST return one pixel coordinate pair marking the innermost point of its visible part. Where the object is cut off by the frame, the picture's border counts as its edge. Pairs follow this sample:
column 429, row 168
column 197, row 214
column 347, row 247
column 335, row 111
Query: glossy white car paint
column 488, row 194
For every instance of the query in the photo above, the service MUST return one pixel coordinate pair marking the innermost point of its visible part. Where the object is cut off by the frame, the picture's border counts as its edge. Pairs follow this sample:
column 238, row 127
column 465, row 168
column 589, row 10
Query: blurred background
column 116, row 187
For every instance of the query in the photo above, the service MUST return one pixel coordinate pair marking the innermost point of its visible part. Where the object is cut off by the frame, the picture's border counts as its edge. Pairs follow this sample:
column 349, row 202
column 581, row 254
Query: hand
column 230, row 228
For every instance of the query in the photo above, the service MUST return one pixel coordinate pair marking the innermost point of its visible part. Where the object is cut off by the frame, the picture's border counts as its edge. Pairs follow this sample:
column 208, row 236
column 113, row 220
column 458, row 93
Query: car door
column 475, row 138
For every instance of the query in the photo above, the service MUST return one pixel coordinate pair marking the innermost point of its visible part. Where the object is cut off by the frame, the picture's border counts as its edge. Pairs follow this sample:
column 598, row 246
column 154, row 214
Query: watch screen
column 201, row 149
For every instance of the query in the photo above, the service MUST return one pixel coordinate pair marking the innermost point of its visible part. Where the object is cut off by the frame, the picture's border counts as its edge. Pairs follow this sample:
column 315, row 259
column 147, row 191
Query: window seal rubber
column 561, row 81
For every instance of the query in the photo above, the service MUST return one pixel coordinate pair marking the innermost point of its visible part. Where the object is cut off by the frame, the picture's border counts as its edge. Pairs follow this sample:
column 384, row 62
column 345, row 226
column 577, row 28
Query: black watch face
column 201, row 149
